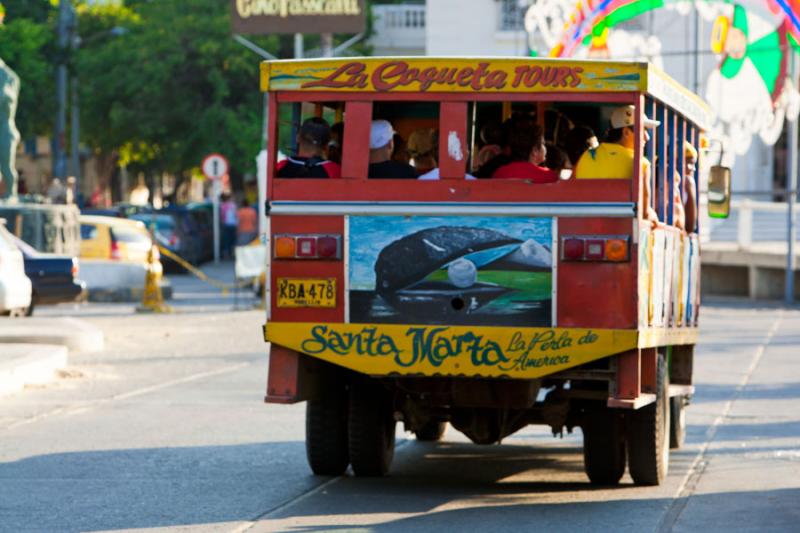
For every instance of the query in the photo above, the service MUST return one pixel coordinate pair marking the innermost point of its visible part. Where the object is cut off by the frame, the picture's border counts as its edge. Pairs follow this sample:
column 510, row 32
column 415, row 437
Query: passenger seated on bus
column 335, row 145
column 491, row 144
column 555, row 158
column 687, row 198
column 421, row 144
column 613, row 158
column 527, row 152
column 309, row 162
column 400, row 152
column 579, row 140
column 433, row 174
column 381, row 147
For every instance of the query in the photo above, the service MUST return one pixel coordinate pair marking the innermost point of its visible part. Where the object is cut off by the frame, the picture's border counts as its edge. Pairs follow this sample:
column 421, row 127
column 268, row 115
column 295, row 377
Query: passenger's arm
column 691, row 204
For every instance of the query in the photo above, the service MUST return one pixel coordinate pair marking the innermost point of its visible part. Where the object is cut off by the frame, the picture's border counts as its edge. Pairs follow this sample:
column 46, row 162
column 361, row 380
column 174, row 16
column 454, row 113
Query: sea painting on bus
column 466, row 270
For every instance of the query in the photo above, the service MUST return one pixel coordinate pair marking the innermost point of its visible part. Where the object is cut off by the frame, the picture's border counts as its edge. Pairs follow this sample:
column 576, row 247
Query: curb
column 69, row 333
column 125, row 295
column 25, row 364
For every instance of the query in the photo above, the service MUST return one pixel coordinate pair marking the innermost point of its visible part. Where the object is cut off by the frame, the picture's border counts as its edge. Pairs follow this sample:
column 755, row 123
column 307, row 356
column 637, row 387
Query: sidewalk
column 32, row 349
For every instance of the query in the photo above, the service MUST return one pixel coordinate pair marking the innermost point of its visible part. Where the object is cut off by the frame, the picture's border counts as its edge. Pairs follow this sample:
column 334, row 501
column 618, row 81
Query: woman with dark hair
column 579, row 139
column 527, row 152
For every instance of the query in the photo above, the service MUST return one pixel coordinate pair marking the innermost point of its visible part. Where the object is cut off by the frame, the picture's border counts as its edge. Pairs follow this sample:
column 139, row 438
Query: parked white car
column 15, row 286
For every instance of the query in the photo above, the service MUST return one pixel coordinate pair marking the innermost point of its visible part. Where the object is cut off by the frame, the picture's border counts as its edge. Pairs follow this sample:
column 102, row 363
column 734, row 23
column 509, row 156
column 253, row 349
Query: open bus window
column 309, row 140
column 403, row 142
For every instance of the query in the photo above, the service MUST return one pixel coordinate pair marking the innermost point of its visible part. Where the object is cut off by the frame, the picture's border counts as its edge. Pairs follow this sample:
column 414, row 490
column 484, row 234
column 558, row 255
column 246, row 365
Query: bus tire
column 326, row 434
column 648, row 434
column 431, row 431
column 603, row 446
column 371, row 427
column 677, row 421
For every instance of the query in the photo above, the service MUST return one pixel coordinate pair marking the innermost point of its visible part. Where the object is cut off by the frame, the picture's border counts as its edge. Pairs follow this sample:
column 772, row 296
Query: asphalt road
column 166, row 430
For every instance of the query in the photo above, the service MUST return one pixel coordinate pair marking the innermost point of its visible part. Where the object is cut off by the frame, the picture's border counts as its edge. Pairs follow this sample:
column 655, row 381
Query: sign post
column 215, row 166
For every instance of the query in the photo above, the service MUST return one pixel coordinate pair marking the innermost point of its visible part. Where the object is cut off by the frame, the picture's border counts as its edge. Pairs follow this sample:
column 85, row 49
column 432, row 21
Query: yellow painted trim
column 418, row 74
column 468, row 351
column 655, row 337
column 264, row 69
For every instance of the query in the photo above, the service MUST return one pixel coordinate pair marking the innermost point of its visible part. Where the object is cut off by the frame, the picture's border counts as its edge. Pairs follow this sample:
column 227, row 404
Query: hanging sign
column 298, row 16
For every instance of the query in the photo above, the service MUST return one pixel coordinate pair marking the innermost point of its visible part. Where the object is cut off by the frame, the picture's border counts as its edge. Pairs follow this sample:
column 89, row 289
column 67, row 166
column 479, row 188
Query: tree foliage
column 162, row 82
column 27, row 45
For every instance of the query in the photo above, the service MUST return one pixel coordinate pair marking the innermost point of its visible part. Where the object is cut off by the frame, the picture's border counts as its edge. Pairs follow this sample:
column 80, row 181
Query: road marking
column 698, row 467
column 85, row 406
column 270, row 513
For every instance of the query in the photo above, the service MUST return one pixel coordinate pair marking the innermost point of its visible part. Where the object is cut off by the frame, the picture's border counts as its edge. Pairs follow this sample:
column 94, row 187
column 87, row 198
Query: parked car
column 54, row 277
column 173, row 230
column 119, row 239
column 15, row 286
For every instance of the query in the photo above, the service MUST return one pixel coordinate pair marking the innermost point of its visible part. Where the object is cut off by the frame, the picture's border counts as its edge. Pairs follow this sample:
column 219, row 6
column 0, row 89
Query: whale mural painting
column 451, row 270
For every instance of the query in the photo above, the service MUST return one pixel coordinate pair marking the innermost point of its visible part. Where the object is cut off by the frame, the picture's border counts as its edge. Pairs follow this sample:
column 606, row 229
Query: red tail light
column 115, row 253
column 75, row 268
column 307, row 247
column 611, row 248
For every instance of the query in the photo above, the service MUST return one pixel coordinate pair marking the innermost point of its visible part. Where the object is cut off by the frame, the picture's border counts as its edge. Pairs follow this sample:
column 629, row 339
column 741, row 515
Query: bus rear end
column 489, row 304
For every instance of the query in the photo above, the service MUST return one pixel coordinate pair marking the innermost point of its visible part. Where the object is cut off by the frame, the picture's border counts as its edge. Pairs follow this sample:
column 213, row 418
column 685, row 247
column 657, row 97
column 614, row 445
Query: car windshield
column 124, row 233
column 163, row 223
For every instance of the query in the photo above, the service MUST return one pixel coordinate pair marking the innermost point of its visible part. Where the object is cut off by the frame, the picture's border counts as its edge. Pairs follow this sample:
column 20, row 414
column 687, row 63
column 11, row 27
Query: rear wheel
column 371, row 427
column 648, row 434
column 326, row 434
column 603, row 446
column 677, row 421
column 432, row 431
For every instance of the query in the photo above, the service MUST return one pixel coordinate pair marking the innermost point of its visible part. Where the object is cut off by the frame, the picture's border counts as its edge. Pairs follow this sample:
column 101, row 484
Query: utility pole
column 75, row 119
column 326, row 44
column 59, row 156
column 791, row 178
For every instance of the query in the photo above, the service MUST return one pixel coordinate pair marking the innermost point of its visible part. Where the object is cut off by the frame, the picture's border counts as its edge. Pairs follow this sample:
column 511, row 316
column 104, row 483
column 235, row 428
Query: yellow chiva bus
column 486, row 303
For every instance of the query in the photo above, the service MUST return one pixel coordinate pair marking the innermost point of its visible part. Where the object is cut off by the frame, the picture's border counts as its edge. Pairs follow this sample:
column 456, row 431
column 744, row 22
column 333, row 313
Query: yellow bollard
column 152, row 299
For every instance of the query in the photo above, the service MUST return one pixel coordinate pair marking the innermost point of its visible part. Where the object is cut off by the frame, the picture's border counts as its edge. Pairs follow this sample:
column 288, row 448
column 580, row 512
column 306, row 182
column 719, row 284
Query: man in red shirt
column 310, row 162
column 527, row 153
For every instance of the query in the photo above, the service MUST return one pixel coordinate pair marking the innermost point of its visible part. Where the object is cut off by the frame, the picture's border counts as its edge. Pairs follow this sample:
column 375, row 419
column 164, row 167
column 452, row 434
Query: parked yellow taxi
column 113, row 238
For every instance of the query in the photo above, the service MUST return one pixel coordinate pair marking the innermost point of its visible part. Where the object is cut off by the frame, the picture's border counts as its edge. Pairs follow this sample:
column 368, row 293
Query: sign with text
column 453, row 75
column 382, row 349
column 298, row 16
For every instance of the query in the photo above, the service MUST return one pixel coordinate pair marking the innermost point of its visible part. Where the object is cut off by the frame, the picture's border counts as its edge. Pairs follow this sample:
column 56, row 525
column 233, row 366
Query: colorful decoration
column 593, row 17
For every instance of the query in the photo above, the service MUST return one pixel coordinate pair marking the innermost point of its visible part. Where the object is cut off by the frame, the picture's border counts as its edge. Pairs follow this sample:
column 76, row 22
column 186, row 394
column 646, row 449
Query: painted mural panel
column 451, row 270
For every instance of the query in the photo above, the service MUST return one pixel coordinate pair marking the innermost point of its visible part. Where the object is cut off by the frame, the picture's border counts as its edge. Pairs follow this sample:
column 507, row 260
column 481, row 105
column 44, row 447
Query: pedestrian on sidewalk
column 229, row 224
column 248, row 224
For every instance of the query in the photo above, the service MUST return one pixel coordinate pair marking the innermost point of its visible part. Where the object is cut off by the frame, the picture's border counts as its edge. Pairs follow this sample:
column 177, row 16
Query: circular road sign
column 215, row 166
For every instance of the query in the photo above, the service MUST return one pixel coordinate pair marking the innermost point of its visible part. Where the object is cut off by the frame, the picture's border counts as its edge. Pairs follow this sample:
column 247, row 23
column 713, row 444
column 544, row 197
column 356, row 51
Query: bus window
column 308, row 134
column 402, row 142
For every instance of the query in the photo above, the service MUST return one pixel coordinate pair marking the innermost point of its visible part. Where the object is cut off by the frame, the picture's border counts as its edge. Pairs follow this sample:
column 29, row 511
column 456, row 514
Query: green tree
column 27, row 45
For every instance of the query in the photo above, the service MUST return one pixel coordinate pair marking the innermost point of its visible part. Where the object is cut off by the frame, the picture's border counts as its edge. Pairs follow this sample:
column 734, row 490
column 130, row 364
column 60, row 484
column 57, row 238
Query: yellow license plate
column 306, row 292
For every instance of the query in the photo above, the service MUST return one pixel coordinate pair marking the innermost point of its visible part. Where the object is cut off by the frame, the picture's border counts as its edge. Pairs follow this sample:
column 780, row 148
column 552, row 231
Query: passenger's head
column 556, row 158
column 492, row 133
column 400, row 151
column 381, row 144
column 313, row 137
column 579, row 139
column 690, row 155
column 526, row 142
column 422, row 147
column 623, row 121
column 336, row 143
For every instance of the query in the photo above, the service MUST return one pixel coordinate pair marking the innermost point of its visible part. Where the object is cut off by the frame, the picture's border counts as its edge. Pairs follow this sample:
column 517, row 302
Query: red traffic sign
column 215, row 166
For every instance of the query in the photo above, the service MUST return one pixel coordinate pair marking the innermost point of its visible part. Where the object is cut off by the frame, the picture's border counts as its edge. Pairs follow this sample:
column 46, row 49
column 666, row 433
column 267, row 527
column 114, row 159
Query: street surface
column 166, row 430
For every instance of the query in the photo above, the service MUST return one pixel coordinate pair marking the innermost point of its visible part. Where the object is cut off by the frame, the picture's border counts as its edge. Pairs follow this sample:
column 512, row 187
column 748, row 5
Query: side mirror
column 719, row 192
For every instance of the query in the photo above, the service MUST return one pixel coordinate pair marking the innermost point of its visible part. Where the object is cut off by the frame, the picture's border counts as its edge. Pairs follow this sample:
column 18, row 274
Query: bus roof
column 481, row 75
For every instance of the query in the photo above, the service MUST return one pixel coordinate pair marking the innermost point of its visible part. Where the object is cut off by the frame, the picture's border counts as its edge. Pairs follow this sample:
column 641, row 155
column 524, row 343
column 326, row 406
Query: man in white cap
column 381, row 145
column 613, row 158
